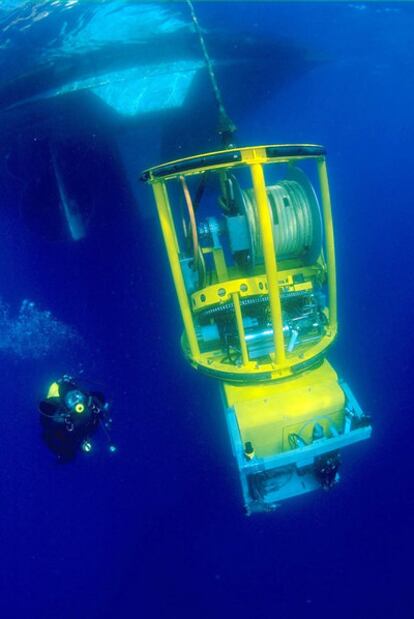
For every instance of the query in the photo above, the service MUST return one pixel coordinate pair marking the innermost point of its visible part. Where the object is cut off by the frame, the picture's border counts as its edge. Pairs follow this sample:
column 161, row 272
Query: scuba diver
column 326, row 469
column 70, row 415
column 326, row 466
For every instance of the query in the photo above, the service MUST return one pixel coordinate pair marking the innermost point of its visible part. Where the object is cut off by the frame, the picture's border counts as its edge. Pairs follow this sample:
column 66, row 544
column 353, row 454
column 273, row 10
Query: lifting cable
column 227, row 128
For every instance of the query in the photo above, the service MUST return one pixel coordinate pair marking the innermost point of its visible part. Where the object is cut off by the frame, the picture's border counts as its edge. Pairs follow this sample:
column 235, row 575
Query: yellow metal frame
column 222, row 292
column 274, row 279
column 249, row 156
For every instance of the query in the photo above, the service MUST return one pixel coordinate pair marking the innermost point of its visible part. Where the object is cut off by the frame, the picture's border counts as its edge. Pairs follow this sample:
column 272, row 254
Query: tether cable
column 227, row 128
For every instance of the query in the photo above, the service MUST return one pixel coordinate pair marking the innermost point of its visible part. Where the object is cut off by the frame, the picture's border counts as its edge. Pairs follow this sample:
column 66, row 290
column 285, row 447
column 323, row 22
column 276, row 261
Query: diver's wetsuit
column 70, row 417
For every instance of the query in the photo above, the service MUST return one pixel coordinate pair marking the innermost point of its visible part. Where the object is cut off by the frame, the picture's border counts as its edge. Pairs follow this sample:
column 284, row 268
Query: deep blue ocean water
column 157, row 529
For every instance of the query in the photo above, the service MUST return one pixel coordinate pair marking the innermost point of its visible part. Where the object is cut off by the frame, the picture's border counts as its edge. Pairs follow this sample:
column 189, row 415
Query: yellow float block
column 267, row 413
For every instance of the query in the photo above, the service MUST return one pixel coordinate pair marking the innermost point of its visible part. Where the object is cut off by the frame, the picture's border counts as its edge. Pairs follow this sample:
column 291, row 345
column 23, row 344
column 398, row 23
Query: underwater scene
column 205, row 309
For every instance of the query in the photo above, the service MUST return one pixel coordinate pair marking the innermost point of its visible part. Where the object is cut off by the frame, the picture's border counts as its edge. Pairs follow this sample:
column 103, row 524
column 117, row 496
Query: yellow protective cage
column 249, row 238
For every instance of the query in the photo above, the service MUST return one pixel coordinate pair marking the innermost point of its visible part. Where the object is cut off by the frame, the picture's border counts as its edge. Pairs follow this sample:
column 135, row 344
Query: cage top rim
column 233, row 156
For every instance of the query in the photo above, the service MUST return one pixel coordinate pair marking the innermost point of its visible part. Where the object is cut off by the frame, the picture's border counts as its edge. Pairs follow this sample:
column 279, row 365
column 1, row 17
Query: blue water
column 157, row 529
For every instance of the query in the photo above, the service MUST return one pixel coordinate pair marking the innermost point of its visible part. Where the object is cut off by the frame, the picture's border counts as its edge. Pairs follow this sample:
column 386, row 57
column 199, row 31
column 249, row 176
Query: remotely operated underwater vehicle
column 256, row 285
column 249, row 237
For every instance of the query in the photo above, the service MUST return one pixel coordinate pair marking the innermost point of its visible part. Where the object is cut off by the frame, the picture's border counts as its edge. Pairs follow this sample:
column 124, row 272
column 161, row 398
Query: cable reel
column 296, row 217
